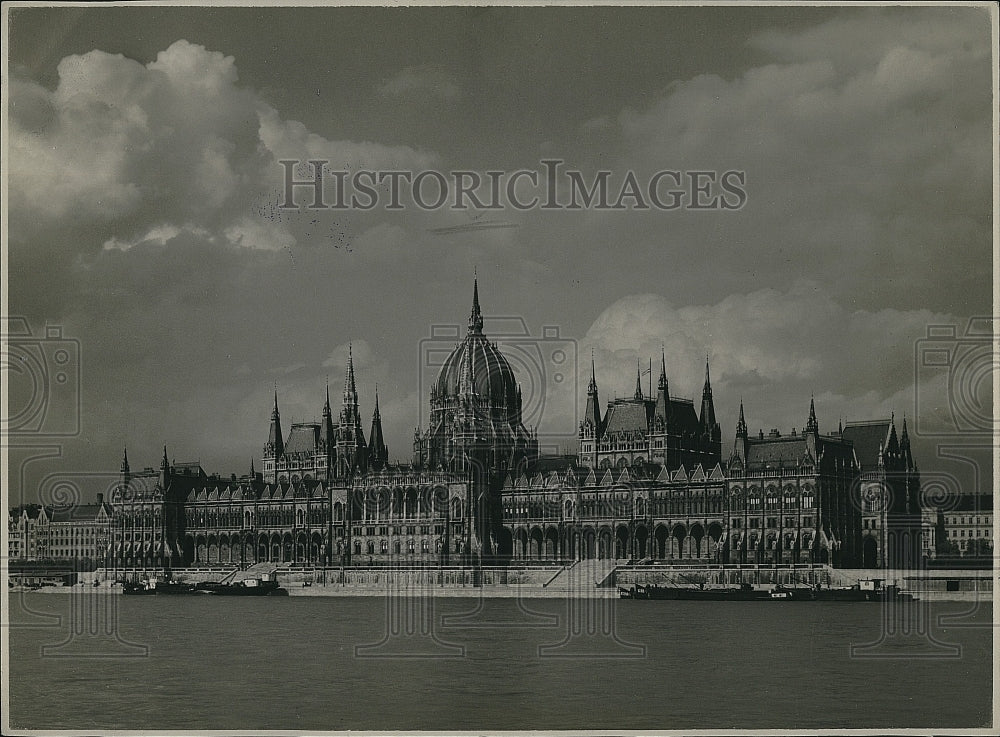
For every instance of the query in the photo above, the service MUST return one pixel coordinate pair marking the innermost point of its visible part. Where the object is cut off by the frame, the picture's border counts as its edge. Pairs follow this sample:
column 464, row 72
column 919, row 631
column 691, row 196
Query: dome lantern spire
column 476, row 318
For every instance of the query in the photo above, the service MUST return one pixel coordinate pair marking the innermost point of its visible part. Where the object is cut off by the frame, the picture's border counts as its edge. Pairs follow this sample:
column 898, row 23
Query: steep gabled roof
column 302, row 438
column 683, row 417
column 627, row 415
column 787, row 451
column 867, row 438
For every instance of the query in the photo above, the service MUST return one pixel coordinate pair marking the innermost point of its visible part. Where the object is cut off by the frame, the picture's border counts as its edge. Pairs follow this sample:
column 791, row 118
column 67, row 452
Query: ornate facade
column 326, row 451
column 659, row 430
column 648, row 482
column 328, row 497
column 782, row 499
column 887, row 489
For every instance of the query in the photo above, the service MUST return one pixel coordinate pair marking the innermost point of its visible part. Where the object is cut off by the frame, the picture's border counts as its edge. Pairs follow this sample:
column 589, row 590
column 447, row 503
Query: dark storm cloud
column 144, row 183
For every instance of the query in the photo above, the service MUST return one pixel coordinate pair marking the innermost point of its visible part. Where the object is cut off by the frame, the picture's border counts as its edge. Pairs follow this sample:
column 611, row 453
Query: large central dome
column 476, row 366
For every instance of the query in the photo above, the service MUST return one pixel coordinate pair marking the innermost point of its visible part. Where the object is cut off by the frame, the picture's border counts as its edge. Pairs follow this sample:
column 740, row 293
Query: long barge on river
column 865, row 590
column 265, row 585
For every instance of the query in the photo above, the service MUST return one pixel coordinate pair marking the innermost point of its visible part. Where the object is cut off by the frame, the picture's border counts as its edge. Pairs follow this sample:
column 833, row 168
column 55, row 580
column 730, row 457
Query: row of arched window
column 214, row 517
column 140, row 518
column 398, row 548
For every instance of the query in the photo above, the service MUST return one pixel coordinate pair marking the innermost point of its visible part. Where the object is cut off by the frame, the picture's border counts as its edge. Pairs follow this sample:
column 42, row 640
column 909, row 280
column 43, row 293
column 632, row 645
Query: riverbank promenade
column 575, row 579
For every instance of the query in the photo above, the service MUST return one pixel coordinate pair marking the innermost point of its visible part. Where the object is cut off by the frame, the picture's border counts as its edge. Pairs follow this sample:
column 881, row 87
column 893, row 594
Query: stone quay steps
column 582, row 576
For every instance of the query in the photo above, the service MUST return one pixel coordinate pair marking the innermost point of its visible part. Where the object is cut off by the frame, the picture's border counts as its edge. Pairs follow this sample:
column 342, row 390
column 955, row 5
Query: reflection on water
column 358, row 663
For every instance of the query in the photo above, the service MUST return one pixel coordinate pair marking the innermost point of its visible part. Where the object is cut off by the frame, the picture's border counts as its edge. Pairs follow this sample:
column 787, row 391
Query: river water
column 93, row 661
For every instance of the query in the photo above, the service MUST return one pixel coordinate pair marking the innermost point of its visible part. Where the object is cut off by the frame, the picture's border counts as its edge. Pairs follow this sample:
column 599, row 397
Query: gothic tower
column 351, row 450
column 711, row 432
column 590, row 426
column 378, row 453
column 275, row 447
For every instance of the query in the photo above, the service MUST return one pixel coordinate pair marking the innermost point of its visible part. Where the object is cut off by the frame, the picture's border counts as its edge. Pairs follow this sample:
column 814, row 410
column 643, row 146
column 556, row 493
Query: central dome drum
column 477, row 366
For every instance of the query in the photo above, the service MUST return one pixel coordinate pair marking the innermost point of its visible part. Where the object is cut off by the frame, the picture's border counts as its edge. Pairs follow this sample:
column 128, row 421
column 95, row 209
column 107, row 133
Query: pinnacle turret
column 378, row 453
column 708, row 422
column 812, row 425
column 741, row 425
column 275, row 447
column 350, row 389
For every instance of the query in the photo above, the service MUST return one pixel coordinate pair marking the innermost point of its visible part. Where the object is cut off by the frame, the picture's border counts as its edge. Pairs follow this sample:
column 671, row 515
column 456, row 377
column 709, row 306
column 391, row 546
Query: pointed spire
column 741, row 425
column 708, row 422
column 840, row 426
column 662, row 384
column 812, row 425
column 350, row 389
column 378, row 453
column 253, row 471
column 125, row 468
column 326, row 405
column 638, row 380
column 164, row 470
column 476, row 318
column 275, row 440
column 592, row 413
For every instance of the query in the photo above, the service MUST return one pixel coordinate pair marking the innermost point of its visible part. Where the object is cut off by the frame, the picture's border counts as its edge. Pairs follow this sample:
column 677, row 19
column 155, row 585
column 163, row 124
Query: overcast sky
column 143, row 175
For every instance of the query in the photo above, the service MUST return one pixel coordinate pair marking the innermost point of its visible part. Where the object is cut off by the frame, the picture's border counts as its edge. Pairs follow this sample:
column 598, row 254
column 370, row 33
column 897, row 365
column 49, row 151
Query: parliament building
column 648, row 483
